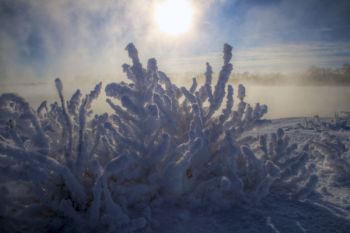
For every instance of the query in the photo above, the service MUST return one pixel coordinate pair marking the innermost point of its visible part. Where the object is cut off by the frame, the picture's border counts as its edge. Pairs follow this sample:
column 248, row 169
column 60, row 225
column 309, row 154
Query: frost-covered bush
column 65, row 170
column 340, row 121
column 332, row 154
column 290, row 164
column 53, row 167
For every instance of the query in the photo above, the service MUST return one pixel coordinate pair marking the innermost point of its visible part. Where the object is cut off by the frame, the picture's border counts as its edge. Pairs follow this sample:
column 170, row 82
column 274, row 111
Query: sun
column 174, row 17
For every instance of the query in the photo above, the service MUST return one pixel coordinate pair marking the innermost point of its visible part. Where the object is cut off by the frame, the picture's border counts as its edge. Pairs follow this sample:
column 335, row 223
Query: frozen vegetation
column 168, row 152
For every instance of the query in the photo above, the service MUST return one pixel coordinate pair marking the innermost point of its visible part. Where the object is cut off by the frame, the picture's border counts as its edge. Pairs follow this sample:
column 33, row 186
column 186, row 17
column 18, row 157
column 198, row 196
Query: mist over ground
column 286, row 95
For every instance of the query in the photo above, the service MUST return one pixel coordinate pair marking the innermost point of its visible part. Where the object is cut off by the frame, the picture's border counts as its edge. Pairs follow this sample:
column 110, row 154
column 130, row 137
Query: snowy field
column 327, row 210
column 170, row 159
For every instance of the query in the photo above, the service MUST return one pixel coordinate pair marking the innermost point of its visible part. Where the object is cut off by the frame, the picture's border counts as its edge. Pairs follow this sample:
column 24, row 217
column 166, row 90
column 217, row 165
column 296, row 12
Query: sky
column 85, row 40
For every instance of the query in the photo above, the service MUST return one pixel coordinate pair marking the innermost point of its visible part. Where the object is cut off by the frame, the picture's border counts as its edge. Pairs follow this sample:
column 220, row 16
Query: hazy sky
column 75, row 39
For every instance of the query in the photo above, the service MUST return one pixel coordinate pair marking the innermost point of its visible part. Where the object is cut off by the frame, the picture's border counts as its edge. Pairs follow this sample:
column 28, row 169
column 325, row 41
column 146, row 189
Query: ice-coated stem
column 67, row 121
column 82, row 148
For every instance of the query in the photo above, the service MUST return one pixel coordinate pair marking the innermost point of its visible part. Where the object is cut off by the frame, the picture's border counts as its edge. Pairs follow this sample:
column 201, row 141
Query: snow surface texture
column 164, row 150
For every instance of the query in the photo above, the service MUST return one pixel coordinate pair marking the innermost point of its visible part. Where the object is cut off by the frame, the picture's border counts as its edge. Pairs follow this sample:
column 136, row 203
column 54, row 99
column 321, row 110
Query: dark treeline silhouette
column 317, row 75
column 312, row 76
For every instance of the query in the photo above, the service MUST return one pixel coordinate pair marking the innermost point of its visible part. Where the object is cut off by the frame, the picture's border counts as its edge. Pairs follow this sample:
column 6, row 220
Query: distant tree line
column 317, row 75
column 312, row 76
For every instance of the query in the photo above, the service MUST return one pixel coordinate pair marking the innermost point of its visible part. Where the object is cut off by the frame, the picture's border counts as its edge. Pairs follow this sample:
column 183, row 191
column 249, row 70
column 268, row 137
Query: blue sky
column 43, row 39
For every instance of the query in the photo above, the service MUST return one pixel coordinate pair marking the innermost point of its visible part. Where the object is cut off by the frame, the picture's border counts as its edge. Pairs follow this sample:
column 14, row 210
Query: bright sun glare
column 174, row 17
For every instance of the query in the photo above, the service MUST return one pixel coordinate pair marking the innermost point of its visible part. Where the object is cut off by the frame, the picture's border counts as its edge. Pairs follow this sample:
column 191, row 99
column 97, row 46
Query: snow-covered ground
column 328, row 210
